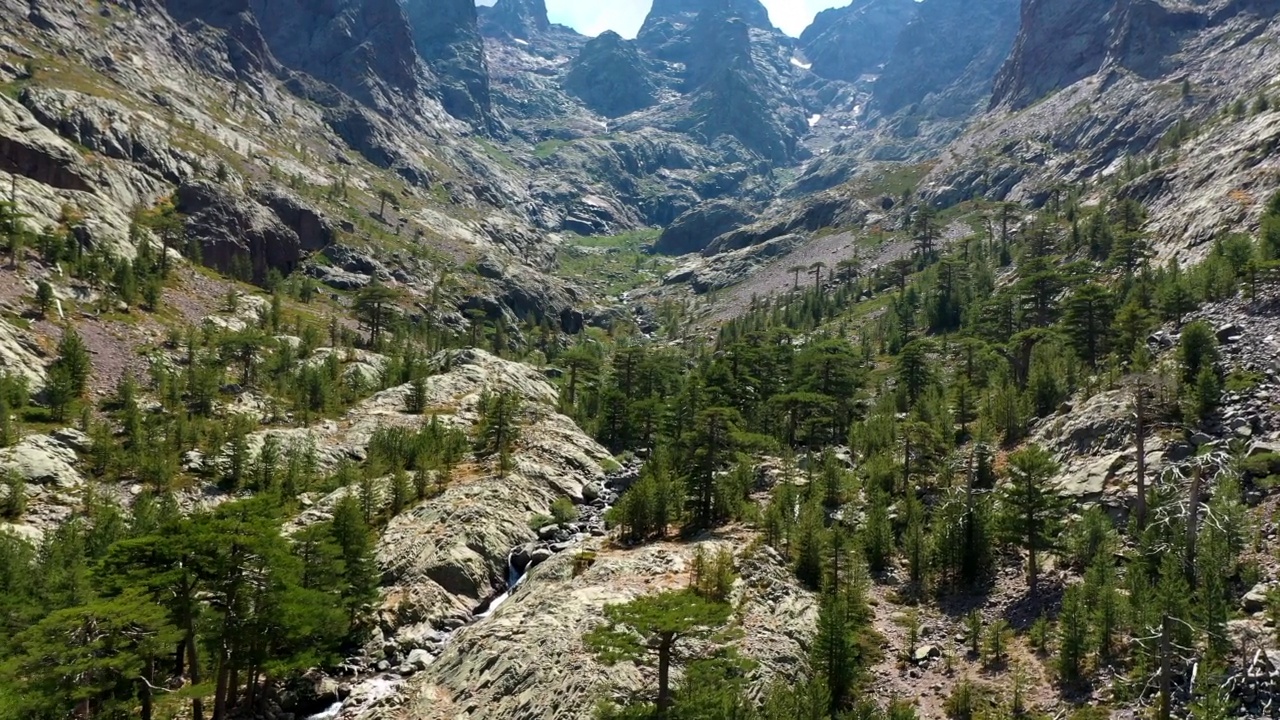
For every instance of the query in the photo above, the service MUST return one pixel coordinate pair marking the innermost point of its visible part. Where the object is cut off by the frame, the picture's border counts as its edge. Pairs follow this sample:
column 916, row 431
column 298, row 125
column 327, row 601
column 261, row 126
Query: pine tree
column 1088, row 322
column 648, row 629
column 1073, row 635
column 359, row 570
column 498, row 429
column 914, row 374
column 835, row 654
column 1031, row 510
column 373, row 305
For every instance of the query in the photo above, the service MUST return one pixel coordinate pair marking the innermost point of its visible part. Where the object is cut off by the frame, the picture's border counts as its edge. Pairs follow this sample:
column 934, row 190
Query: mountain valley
column 414, row 359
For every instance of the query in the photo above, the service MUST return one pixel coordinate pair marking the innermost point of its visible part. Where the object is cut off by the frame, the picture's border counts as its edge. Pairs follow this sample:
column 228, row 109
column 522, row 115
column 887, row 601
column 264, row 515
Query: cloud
column 592, row 17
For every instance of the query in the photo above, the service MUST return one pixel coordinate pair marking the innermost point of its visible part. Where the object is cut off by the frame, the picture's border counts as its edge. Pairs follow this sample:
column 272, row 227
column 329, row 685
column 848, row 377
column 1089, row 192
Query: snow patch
column 800, row 64
column 521, row 42
column 813, row 121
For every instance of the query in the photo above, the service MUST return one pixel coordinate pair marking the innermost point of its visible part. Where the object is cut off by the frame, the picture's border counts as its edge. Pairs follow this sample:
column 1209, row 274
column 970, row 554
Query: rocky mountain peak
column 846, row 43
column 611, row 76
column 515, row 18
column 668, row 19
column 947, row 57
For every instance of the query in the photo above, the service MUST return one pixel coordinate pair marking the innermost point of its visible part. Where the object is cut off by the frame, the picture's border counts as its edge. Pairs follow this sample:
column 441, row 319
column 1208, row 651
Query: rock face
column 42, row 460
column 29, row 149
column 447, row 35
column 365, row 48
column 694, row 230
column 1061, row 43
column 1058, row 44
column 234, row 230
column 20, row 356
column 528, row 662
column 107, row 127
column 947, row 57
column 521, row 19
column 846, row 43
column 611, row 77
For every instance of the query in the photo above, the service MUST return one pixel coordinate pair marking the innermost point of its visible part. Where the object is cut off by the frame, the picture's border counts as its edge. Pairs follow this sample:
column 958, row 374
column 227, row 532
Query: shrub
column 14, row 502
column 563, row 511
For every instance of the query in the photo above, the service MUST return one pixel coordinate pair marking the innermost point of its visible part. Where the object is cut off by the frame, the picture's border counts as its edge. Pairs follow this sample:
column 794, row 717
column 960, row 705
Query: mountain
column 515, row 19
column 947, row 57
column 447, row 36
column 849, row 42
column 611, row 77
column 374, row 359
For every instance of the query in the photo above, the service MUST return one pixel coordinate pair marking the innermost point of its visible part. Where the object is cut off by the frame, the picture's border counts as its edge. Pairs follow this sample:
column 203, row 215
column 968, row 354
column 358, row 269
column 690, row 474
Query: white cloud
column 592, row 17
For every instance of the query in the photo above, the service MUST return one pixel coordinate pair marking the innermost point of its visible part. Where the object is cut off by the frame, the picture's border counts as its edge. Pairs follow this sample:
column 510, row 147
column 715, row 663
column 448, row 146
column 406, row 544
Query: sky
column 592, row 17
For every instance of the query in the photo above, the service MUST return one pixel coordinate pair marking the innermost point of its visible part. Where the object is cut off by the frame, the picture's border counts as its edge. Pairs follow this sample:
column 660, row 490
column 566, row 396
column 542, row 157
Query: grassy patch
column 632, row 239
column 893, row 180
column 1243, row 381
column 613, row 264
column 547, row 148
column 502, row 157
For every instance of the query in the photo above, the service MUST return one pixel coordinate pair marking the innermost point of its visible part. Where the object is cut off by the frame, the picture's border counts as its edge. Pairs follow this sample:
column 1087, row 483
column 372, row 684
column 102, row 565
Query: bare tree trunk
column 664, row 675
column 1166, row 673
column 1193, row 521
column 1140, row 409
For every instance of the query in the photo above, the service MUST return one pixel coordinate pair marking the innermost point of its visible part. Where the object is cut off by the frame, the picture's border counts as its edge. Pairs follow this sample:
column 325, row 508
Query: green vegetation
column 613, row 264
column 547, row 148
column 935, row 394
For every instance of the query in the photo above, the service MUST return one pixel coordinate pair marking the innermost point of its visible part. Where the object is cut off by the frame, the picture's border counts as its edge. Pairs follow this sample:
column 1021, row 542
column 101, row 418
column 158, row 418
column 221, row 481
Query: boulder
column 42, row 460
column 20, row 356
column 1228, row 333
column 419, row 659
column 539, row 556
column 925, row 653
column 1257, row 599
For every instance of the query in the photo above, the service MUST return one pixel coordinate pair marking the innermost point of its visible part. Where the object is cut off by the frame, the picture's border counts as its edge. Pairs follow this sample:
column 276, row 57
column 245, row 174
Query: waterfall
column 329, row 713
column 514, row 578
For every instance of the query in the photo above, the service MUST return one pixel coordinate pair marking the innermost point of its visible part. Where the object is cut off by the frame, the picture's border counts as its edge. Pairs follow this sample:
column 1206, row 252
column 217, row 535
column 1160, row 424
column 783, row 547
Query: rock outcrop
column 444, row 558
column 20, row 356
column 694, row 230
column 528, row 661
column 236, row 232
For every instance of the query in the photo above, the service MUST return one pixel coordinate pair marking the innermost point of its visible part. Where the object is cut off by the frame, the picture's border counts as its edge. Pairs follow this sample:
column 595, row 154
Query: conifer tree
column 1030, row 508
column 650, row 629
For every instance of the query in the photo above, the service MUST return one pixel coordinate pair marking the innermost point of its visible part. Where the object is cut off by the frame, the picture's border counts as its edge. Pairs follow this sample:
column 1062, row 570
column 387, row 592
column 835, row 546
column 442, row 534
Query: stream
column 373, row 690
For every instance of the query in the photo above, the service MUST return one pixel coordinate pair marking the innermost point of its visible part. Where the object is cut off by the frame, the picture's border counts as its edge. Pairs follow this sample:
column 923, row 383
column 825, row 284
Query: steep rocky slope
column 847, row 43
column 1143, row 84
